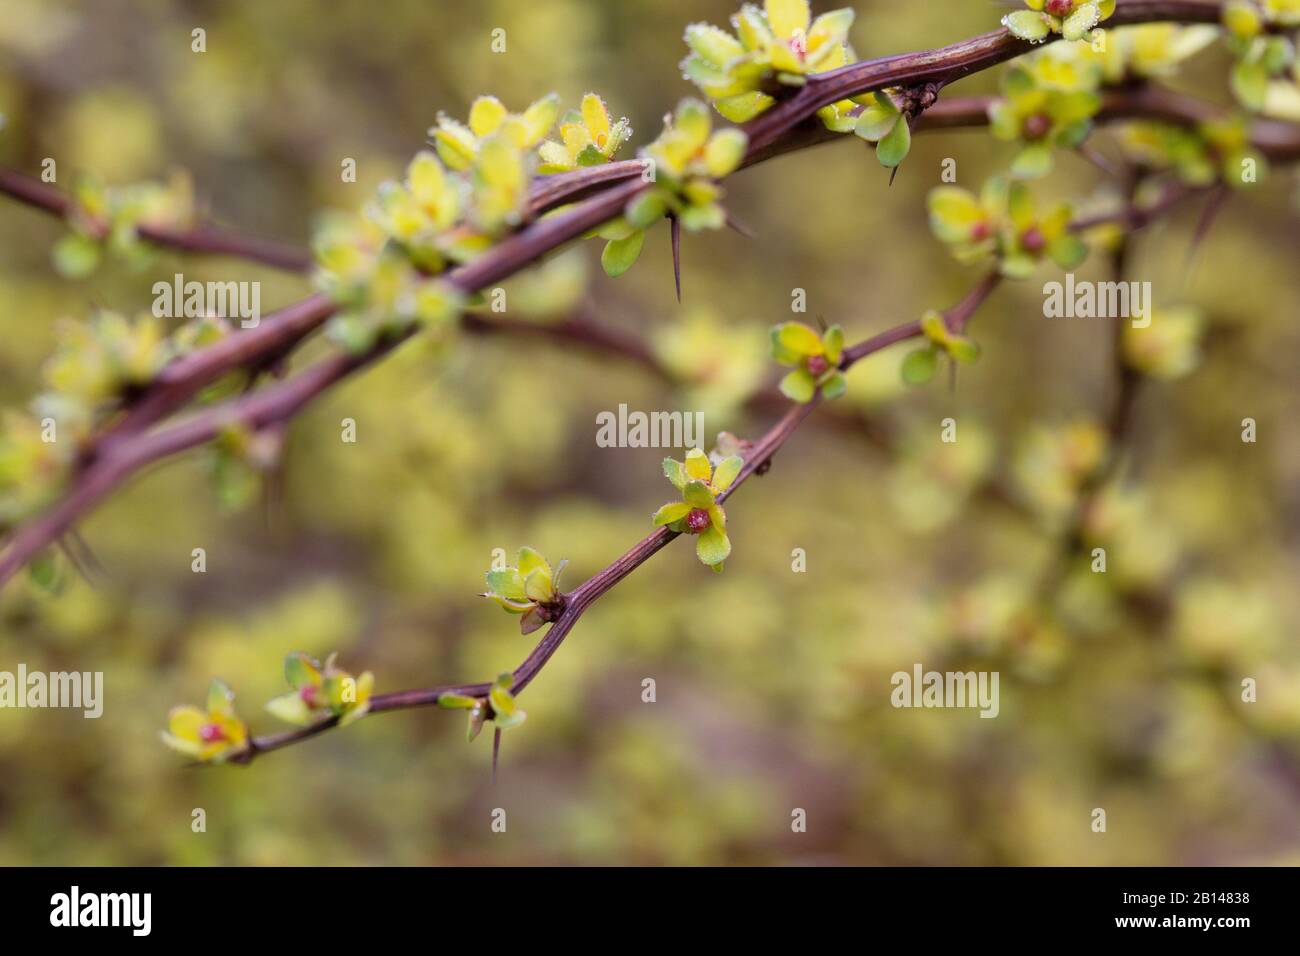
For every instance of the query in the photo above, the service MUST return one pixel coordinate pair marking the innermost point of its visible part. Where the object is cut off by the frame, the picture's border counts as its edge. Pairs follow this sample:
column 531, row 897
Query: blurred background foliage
column 1120, row 691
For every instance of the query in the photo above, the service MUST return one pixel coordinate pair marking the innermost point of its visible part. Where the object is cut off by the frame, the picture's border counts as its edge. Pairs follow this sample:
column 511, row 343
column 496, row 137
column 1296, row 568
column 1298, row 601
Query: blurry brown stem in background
column 1118, row 420
column 203, row 239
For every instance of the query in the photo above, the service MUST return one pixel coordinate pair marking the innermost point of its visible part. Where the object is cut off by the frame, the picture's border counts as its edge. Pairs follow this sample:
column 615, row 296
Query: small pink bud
column 211, row 733
column 697, row 521
column 1036, row 126
column 1032, row 239
column 799, row 44
column 818, row 365
column 980, row 231
column 308, row 694
column 1059, row 8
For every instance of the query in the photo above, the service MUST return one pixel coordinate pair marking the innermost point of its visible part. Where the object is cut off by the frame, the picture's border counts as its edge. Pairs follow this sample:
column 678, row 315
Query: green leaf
column 673, row 511
column 954, row 212
column 511, row 607
column 292, row 709
column 724, row 153
column 1004, row 120
column 833, row 343
column 457, row 701
column 503, row 702
column 713, row 80
column 715, row 45
column 699, row 218
column 1017, row 81
column 713, row 546
column 675, row 472
column 76, row 256
column 697, row 495
column 744, row 106
column 698, row 465
column 1018, row 266
column 1250, row 84
column 538, row 586
column 1067, row 250
column 1020, row 205
column 963, row 350
column 935, row 327
column 455, row 143
column 879, row 117
column 718, row 517
column 1074, row 106
column 830, row 28
column 43, row 571
column 592, row 156
column 513, row 719
column 1083, row 19
column 692, row 120
column 787, row 16
column 1074, row 134
column 726, row 473
column 301, row 671
column 833, row 385
column 618, row 228
column 799, row 386
column 646, row 209
column 221, row 699
column 485, row 114
column 619, row 254
column 529, row 560
column 799, row 339
column 1027, row 24
column 919, row 366
column 751, row 27
column 508, row 583
column 437, row 302
column 1242, row 19
column 1278, row 51
column 540, row 116
column 352, row 333
column 780, row 351
column 893, row 149
column 1033, row 161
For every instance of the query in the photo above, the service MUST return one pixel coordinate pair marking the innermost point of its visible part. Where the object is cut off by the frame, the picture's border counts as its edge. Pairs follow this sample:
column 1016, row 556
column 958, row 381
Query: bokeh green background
column 773, row 686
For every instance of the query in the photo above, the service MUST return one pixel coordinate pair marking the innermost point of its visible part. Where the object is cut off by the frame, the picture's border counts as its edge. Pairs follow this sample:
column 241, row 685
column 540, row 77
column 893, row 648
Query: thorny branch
column 757, row 457
column 279, row 333
column 599, row 194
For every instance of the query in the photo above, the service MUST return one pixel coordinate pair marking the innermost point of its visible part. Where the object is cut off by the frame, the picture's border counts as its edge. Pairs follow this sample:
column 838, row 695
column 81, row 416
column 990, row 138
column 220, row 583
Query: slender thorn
column 740, row 227
column 1208, row 215
column 272, row 495
column 496, row 753
column 75, row 561
column 676, row 230
column 1098, row 160
column 88, row 555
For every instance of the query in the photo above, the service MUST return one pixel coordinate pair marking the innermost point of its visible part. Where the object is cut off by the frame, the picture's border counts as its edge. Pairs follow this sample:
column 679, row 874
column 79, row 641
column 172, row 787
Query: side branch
column 205, row 239
column 945, row 64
